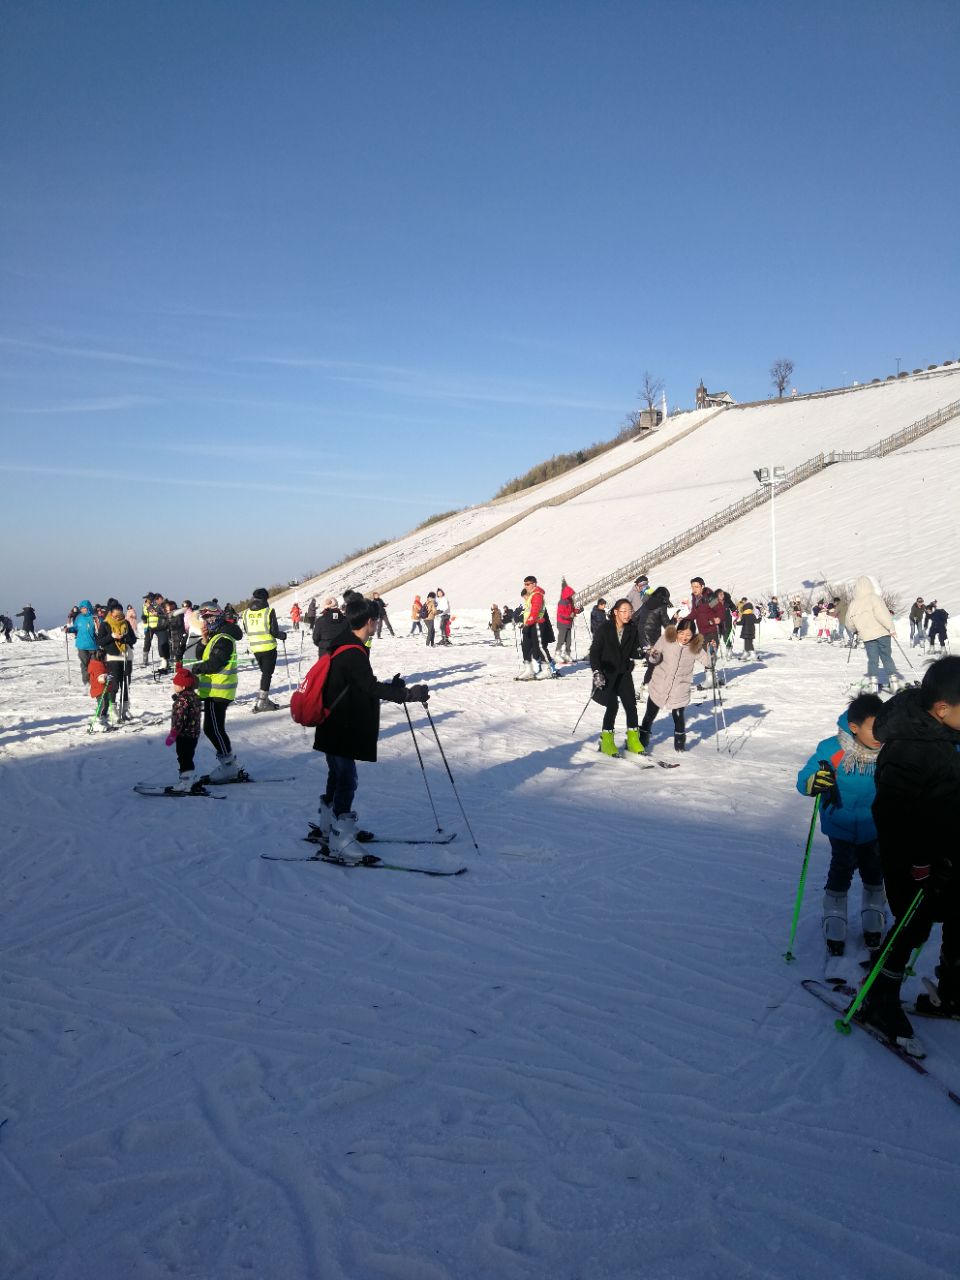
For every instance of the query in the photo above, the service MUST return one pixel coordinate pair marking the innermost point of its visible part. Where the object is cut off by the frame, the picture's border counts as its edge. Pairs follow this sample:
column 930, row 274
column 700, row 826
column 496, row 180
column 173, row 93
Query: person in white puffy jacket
column 870, row 618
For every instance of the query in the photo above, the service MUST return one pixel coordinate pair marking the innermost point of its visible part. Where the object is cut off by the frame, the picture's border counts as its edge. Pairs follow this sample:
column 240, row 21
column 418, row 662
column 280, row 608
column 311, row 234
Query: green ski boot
column 634, row 745
column 607, row 744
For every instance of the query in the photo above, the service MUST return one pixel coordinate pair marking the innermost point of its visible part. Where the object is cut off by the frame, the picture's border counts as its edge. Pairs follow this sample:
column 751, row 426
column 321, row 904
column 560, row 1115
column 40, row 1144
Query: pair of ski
column 838, row 998
column 200, row 787
column 368, row 860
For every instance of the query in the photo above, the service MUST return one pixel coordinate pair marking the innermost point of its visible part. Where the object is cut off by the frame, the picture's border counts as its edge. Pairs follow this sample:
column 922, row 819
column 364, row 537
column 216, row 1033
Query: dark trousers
column 623, row 694
column 341, row 783
column 215, row 724
column 85, row 655
column 186, row 748
column 652, row 711
column 267, row 662
column 148, row 634
column 383, row 621
column 846, row 858
column 936, row 905
column 430, row 631
column 163, row 646
column 530, row 646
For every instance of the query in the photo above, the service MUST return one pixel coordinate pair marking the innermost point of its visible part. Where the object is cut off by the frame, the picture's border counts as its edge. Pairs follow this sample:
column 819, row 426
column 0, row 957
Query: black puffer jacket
column 652, row 616
column 331, row 625
column 918, row 783
column 353, row 693
column 613, row 657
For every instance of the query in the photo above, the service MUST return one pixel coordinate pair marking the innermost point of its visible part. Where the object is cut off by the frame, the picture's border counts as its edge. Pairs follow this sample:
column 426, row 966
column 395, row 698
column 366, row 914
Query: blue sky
column 280, row 280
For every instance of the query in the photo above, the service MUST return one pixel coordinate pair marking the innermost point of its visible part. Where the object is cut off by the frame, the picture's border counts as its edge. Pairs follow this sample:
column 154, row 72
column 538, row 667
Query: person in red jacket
column 707, row 613
column 566, row 613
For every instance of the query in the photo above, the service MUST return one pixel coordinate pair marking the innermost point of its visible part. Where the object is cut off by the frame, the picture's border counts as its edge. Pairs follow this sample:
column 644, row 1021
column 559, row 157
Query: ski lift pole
column 788, row 954
column 843, row 1024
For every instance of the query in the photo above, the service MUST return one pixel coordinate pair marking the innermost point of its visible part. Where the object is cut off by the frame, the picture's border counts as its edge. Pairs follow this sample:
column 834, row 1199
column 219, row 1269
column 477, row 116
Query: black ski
column 242, row 776
column 368, row 860
column 367, row 837
column 147, row 789
column 837, row 1001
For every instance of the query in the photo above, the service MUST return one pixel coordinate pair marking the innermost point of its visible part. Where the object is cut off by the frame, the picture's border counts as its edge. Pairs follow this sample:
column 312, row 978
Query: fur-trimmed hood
column 670, row 635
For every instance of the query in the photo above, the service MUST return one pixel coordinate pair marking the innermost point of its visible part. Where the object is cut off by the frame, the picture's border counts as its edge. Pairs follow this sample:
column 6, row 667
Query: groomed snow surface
column 585, row 1059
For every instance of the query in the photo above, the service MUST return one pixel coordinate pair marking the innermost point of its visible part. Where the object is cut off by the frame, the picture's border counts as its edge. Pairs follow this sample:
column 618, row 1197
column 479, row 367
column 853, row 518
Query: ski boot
column 644, row 736
column 635, row 744
column 883, row 1011
column 185, row 782
column 528, row 672
column 679, row 742
column 872, row 918
column 943, row 999
column 343, row 835
column 607, row 744
column 263, row 702
column 227, row 769
column 835, row 921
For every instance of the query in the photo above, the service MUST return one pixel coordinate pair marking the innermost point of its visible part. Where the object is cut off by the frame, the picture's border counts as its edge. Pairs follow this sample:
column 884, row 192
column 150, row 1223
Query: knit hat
column 260, row 594
column 183, row 679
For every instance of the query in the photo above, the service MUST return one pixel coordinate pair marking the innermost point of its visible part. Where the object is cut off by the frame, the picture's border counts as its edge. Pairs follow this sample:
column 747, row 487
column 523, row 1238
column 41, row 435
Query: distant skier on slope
column 29, row 616
column 262, row 632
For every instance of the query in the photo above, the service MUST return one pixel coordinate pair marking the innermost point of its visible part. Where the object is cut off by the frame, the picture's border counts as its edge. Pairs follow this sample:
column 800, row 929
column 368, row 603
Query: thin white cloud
column 100, row 404
column 323, row 487
column 427, row 385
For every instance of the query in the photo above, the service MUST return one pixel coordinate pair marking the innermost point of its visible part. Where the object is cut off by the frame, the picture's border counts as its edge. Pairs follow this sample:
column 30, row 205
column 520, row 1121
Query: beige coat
column 866, row 612
column 669, row 685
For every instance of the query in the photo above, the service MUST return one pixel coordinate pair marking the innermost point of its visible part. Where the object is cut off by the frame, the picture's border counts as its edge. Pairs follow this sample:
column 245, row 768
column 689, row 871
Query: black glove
column 398, row 681
column 281, row 635
column 824, row 783
column 599, row 680
column 416, row 693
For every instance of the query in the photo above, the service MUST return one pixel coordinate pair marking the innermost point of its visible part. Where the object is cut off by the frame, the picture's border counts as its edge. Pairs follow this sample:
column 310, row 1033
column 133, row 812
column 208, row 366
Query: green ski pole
column 910, row 971
column 843, row 1024
column 788, row 954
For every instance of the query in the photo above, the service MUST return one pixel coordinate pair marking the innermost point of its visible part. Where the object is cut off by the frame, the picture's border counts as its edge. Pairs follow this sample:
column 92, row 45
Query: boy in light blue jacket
column 841, row 772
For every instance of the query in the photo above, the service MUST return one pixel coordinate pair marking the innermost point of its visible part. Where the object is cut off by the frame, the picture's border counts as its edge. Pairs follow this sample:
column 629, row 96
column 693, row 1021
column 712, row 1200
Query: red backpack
column 306, row 705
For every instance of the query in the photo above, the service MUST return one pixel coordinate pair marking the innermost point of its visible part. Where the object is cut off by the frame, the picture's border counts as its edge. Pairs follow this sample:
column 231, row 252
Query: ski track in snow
column 584, row 1059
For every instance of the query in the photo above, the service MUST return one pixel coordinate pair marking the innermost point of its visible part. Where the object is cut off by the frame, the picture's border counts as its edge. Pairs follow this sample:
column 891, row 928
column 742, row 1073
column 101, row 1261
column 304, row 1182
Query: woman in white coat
column 870, row 618
column 673, row 659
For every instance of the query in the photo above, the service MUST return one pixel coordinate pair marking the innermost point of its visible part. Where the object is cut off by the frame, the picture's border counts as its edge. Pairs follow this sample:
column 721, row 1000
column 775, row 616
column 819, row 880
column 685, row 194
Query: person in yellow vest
column 216, row 671
column 150, row 617
column 260, row 625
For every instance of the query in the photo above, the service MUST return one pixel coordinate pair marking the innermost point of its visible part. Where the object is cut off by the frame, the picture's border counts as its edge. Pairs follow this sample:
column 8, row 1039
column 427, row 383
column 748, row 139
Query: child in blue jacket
column 84, row 627
column 841, row 772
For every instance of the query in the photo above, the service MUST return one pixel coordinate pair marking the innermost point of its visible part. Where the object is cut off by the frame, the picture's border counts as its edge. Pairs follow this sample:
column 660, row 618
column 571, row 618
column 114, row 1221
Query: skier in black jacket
column 612, row 653
column 654, row 614
column 29, row 616
column 918, row 778
column 349, row 733
column 598, row 616
column 330, row 624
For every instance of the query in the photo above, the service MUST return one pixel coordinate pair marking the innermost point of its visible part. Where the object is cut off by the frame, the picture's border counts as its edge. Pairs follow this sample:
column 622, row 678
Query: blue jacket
column 853, row 820
column 85, row 627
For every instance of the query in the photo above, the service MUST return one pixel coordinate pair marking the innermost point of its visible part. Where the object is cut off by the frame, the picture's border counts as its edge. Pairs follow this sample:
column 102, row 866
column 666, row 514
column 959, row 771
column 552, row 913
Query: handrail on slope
column 813, row 466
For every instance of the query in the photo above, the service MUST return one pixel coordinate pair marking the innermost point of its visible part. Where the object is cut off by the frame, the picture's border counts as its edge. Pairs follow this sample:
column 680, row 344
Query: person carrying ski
column 351, row 729
column 670, row 663
column 612, row 653
column 870, row 618
column 918, row 781
column 567, row 611
column 842, row 772
column 263, row 631
column 84, row 627
column 212, row 659
column 186, row 714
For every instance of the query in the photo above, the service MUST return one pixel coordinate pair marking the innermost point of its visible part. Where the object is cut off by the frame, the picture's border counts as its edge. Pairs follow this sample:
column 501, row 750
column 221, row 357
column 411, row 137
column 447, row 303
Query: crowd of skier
column 888, row 760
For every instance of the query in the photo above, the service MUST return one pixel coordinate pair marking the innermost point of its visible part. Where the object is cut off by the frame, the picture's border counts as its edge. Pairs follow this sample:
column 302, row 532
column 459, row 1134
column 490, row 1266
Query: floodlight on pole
column 770, row 477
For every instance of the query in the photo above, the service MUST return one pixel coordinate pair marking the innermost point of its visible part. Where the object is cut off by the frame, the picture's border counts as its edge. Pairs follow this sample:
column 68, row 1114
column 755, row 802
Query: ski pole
column 910, row 970
column 788, row 954
column 66, row 645
column 905, row 658
column 584, row 711
column 450, row 776
column 843, row 1024
column 422, row 769
column 286, row 663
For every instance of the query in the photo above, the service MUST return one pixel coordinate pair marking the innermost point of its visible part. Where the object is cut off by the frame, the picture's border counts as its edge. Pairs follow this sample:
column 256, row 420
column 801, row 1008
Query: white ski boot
column 185, row 782
column 326, row 820
column 343, row 836
column 227, row 769
column 528, row 672
column 835, row 921
column 263, row 702
column 872, row 915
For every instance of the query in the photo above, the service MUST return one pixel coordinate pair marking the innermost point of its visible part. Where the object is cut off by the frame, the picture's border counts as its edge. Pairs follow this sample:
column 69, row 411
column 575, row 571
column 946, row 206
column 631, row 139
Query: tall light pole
column 770, row 477
column 899, row 358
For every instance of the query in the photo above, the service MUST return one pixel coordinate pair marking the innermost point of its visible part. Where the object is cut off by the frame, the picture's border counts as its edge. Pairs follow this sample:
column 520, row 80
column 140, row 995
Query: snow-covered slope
column 584, row 1058
column 612, row 523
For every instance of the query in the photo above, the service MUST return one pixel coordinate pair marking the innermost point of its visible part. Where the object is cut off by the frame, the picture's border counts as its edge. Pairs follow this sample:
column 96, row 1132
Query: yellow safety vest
column 256, row 623
column 219, row 684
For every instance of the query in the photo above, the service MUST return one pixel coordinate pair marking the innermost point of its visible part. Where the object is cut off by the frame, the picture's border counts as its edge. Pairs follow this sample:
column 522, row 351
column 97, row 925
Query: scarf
column 856, row 757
